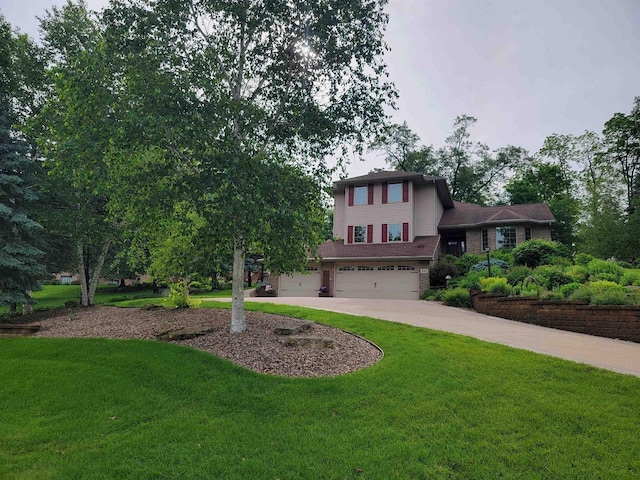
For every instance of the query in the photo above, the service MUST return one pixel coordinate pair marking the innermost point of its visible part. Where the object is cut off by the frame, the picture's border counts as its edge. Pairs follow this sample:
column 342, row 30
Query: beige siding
column 339, row 229
column 428, row 210
column 379, row 213
column 474, row 237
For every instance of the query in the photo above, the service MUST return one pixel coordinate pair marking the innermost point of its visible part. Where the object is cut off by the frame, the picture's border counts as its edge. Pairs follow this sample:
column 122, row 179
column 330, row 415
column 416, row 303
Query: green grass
column 437, row 406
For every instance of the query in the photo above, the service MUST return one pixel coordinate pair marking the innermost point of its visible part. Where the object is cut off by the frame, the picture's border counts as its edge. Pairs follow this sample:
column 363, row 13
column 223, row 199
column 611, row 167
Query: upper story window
column 394, row 232
column 394, row 192
column 359, row 234
column 505, row 237
column 361, row 195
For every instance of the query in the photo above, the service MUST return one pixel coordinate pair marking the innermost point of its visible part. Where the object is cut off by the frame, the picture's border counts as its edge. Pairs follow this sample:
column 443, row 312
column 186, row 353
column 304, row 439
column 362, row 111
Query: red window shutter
column 405, row 232
column 369, row 233
column 350, row 234
column 385, row 233
column 351, row 192
column 405, row 191
column 385, row 192
column 370, row 193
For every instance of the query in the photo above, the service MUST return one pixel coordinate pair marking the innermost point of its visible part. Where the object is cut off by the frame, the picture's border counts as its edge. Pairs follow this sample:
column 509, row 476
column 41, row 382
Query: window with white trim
column 364, row 268
column 311, row 269
column 387, row 267
column 348, row 268
column 360, row 234
column 505, row 237
column 394, row 232
column 406, row 268
column 394, row 192
column 361, row 195
column 485, row 239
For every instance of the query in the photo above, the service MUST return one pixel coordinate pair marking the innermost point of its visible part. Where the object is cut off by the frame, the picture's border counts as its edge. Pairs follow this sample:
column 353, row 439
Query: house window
column 505, row 237
column 406, row 268
column 528, row 233
column 311, row 269
column 349, row 268
column 485, row 239
column 394, row 192
column 364, row 268
column 394, row 232
column 359, row 234
column 361, row 195
column 387, row 267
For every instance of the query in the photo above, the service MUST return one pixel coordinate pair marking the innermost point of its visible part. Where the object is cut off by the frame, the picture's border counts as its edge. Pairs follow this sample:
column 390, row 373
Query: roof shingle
column 422, row 247
column 471, row 215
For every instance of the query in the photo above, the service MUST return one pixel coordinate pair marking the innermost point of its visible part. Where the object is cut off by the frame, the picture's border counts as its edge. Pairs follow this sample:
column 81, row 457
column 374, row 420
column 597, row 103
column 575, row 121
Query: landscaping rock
column 71, row 304
column 323, row 342
column 151, row 306
column 183, row 333
column 11, row 330
column 294, row 329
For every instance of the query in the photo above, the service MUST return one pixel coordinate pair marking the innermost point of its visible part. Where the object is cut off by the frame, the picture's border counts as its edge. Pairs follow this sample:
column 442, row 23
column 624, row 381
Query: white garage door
column 300, row 285
column 395, row 281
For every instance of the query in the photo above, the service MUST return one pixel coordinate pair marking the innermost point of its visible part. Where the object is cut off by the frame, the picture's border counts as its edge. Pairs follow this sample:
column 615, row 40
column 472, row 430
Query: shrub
column 471, row 281
column 438, row 274
column 597, row 266
column 495, row 263
column 551, row 295
column 624, row 264
column 551, row 276
column 466, row 261
column 197, row 287
column 609, row 277
column 494, row 285
column 630, row 277
column 457, row 297
column 610, row 297
column 582, row 293
column 517, row 273
column 536, row 252
column 434, row 295
column 600, row 286
column 177, row 296
column 568, row 289
column 578, row 273
column 504, row 254
column 582, row 259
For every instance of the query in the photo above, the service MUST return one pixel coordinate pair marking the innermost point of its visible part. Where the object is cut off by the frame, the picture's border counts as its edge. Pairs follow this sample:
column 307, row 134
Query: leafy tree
column 21, row 253
column 543, row 182
column 79, row 123
column 472, row 171
column 253, row 94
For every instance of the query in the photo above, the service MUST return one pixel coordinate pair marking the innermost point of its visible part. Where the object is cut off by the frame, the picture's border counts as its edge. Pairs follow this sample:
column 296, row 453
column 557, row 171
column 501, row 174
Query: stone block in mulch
column 183, row 333
column 323, row 342
column 294, row 329
column 16, row 330
column 151, row 306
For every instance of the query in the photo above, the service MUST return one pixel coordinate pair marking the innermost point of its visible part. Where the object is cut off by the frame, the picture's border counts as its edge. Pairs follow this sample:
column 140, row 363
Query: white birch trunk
column 95, row 275
column 27, row 308
column 84, row 288
column 238, row 320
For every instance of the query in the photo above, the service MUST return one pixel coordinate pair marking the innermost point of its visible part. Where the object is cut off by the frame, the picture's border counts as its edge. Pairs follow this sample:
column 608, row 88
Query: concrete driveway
column 616, row 355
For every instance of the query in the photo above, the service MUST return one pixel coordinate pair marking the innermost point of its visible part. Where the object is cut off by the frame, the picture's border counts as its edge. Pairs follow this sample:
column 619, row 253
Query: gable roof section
column 469, row 215
column 392, row 176
column 421, row 248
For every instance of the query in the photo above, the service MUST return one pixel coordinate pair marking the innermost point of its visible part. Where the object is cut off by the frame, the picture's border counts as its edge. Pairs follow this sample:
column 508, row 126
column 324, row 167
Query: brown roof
column 393, row 176
column 421, row 247
column 470, row 215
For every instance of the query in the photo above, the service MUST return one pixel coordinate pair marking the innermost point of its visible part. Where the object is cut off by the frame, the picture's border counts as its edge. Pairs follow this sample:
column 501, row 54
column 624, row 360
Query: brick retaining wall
column 615, row 321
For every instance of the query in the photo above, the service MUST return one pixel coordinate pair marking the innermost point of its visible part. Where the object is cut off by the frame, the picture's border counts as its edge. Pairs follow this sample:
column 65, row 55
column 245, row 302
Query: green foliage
column 432, row 294
column 551, row 295
column 551, row 276
column 578, row 273
column 439, row 273
column 494, row 285
column 495, row 263
column 472, row 280
column 536, row 252
column 466, row 261
column 611, row 269
column 583, row 259
column 178, row 295
column 610, row 297
column 568, row 289
column 582, row 293
column 504, row 254
column 631, row 277
column 517, row 273
column 457, row 297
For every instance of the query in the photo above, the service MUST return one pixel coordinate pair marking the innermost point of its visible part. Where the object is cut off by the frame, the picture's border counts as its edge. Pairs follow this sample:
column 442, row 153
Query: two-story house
column 390, row 228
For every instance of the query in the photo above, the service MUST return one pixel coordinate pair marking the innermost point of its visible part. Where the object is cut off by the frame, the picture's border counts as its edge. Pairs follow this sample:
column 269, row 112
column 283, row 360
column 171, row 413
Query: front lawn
column 437, row 406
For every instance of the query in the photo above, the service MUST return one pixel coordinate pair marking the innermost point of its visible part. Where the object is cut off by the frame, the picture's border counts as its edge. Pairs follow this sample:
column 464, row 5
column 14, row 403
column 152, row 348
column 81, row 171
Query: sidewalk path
column 616, row 355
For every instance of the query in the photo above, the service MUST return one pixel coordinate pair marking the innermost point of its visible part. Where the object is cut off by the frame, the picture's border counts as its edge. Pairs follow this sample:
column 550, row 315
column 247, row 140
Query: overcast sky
column 525, row 70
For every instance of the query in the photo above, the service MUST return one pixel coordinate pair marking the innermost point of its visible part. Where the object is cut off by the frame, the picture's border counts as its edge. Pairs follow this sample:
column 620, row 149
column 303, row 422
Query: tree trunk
column 96, row 272
column 238, row 320
column 249, row 273
column 82, row 269
column 27, row 308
